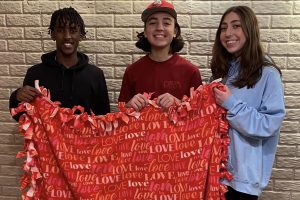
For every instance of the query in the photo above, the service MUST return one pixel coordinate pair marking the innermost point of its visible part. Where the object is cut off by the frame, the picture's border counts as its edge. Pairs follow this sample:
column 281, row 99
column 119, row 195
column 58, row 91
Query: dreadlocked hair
column 64, row 15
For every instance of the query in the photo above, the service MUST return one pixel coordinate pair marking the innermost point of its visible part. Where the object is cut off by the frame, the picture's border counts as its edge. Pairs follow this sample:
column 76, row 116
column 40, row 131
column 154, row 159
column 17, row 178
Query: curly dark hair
column 64, row 15
column 176, row 44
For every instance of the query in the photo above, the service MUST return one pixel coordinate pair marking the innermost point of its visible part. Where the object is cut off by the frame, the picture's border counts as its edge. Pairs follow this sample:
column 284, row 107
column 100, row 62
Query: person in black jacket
column 65, row 71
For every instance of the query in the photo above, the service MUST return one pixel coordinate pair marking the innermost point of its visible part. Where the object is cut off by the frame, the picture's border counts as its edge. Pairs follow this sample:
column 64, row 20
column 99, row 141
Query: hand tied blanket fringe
column 178, row 154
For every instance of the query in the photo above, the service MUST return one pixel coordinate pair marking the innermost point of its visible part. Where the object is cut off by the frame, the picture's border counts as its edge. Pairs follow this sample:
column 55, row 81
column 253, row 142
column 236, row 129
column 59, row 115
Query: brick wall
column 112, row 27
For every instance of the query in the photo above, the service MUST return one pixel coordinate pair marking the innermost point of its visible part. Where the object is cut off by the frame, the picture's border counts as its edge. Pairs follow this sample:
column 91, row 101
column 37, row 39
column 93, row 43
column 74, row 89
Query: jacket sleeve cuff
column 230, row 102
column 13, row 102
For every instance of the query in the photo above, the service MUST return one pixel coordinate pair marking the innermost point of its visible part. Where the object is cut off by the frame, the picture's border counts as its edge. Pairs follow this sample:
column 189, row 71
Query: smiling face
column 67, row 37
column 232, row 36
column 160, row 30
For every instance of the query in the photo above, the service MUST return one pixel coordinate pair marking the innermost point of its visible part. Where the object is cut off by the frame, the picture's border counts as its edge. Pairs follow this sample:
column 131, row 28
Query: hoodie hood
column 49, row 60
column 234, row 68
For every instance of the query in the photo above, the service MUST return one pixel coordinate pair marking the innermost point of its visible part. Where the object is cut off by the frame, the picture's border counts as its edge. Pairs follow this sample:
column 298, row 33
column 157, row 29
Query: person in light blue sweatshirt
column 254, row 101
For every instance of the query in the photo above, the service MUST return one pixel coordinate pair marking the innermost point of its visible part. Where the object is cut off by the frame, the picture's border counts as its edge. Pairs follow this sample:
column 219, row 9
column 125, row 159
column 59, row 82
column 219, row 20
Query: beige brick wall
column 112, row 27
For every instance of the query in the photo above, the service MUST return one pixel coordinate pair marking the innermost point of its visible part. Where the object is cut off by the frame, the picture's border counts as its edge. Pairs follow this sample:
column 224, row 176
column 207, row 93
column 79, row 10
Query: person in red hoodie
column 161, row 71
column 66, row 72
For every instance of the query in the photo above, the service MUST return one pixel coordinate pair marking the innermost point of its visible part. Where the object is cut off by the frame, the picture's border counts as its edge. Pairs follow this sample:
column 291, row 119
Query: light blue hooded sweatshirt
column 255, row 116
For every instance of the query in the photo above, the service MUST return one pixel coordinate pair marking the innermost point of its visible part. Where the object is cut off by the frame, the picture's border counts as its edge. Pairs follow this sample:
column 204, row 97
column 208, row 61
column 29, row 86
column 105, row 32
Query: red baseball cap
column 159, row 6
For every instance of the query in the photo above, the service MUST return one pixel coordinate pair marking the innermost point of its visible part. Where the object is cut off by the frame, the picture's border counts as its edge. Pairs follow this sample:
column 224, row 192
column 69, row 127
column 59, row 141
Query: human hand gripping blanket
column 174, row 155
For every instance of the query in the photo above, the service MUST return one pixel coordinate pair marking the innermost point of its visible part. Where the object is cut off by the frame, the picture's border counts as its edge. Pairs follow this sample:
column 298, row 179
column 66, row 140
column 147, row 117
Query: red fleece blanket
column 177, row 154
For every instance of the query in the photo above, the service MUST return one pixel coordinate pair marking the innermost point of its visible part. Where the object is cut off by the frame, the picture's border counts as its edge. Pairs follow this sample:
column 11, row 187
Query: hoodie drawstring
column 62, row 79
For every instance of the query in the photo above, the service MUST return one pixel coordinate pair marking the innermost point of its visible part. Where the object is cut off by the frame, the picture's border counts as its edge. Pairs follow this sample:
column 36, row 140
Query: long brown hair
column 252, row 58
